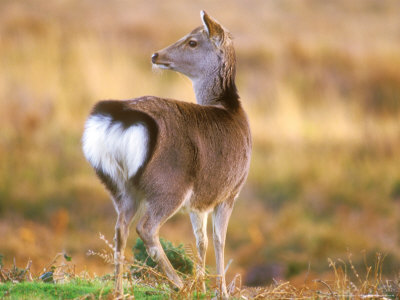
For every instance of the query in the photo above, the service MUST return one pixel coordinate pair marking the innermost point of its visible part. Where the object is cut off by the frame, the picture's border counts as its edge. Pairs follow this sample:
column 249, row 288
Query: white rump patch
column 117, row 151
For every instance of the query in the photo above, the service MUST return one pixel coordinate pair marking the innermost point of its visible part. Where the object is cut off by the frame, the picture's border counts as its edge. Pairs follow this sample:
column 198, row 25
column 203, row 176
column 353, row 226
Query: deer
column 156, row 156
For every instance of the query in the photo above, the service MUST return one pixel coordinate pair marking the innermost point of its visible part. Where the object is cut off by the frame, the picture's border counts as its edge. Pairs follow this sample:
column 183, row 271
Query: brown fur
column 205, row 148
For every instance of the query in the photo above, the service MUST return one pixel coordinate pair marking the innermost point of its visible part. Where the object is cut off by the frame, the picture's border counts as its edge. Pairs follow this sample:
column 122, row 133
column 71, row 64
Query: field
column 320, row 81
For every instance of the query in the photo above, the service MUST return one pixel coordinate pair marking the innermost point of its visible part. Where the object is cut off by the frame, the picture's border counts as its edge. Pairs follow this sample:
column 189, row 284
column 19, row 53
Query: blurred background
column 320, row 81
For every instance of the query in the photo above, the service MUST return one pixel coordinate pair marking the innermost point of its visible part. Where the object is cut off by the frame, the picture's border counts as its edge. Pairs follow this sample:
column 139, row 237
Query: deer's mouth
column 158, row 62
column 162, row 65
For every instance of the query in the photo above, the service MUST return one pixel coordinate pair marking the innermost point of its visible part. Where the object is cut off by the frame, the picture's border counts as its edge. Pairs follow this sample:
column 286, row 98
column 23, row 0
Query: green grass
column 70, row 290
column 346, row 282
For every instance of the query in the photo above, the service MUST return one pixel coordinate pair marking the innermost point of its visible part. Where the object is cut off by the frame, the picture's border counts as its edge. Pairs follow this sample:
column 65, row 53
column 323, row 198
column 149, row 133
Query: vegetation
column 91, row 289
column 320, row 81
column 347, row 283
column 176, row 255
column 41, row 290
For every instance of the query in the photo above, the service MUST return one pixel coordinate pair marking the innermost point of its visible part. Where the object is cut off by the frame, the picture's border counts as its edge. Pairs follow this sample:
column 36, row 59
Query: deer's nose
column 154, row 57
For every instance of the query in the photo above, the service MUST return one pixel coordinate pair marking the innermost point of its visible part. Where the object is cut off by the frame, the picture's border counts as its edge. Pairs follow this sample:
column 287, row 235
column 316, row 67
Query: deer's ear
column 213, row 28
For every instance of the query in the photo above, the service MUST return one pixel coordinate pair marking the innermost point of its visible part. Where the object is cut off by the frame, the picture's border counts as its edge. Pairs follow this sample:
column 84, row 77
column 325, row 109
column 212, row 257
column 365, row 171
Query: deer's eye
column 192, row 43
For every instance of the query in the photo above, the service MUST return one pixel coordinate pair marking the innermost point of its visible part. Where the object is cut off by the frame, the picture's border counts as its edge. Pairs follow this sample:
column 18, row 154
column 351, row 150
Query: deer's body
column 163, row 155
column 195, row 147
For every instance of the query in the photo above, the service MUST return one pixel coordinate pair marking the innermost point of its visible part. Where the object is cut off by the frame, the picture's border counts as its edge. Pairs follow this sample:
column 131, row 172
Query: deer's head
column 200, row 53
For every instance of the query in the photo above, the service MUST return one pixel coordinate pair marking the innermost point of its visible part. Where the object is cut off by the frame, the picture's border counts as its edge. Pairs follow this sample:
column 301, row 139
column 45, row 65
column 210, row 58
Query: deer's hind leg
column 159, row 209
column 126, row 207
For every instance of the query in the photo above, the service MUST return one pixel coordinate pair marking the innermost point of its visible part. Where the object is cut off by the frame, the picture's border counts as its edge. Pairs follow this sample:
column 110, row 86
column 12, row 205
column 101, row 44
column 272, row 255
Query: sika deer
column 159, row 155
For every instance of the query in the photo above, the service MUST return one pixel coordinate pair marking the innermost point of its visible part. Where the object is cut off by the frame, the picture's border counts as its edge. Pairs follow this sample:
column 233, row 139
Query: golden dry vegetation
column 320, row 81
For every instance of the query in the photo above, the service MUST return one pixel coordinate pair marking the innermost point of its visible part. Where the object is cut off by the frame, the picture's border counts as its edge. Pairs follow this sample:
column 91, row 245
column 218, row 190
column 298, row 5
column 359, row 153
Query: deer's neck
column 218, row 88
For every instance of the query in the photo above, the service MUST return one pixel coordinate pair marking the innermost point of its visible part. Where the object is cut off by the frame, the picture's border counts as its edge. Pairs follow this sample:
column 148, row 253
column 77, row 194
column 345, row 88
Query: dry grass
column 319, row 80
column 346, row 283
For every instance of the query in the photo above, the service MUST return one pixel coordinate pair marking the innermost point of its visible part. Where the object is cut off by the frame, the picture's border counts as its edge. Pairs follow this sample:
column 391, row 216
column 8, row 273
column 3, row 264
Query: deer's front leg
column 221, row 215
column 199, row 224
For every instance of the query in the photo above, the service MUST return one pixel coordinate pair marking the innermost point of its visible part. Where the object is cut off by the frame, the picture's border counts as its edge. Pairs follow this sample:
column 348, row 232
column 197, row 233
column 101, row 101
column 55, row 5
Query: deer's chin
column 165, row 66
